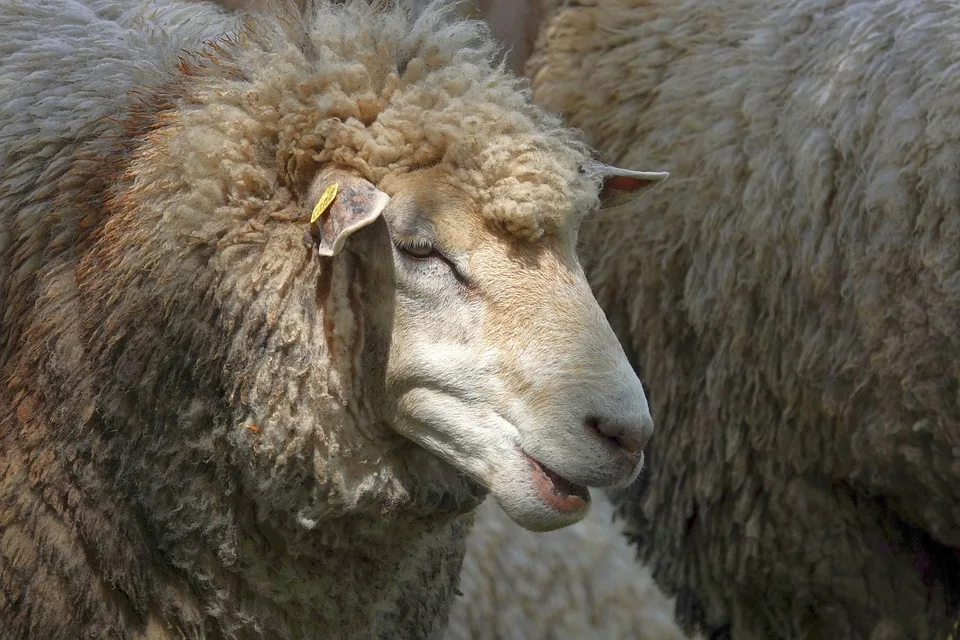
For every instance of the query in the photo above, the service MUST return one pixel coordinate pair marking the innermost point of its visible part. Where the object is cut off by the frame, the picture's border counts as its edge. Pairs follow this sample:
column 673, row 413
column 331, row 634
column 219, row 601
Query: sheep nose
column 631, row 438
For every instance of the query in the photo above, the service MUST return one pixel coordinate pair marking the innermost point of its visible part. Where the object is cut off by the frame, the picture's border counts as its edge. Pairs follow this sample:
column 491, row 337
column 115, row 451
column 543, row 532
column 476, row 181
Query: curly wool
column 578, row 583
column 791, row 295
column 391, row 99
column 188, row 447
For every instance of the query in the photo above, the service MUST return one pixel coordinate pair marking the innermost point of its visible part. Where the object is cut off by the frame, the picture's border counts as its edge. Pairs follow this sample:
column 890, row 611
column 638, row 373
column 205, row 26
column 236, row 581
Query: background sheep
column 224, row 420
column 581, row 582
column 512, row 23
column 791, row 295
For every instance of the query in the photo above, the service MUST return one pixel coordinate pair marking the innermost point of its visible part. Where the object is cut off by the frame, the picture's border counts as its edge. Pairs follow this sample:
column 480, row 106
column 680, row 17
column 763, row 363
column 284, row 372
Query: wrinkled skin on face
column 500, row 361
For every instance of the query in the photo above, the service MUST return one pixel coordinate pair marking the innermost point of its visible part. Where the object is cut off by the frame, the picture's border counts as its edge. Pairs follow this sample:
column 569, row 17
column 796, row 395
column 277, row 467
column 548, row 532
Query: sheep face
column 500, row 361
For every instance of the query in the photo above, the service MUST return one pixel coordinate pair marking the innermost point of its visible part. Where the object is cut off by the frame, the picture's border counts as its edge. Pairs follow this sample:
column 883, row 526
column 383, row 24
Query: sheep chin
column 538, row 499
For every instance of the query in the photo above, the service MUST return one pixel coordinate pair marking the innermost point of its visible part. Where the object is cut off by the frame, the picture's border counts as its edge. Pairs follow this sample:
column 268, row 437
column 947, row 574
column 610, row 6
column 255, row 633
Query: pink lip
column 558, row 492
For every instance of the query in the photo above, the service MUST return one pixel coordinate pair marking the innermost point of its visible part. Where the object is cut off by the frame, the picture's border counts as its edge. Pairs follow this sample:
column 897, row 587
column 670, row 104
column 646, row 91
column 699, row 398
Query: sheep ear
column 622, row 186
column 341, row 204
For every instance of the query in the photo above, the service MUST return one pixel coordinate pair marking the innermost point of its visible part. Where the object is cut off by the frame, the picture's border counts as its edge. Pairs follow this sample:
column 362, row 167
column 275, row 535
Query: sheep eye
column 419, row 248
column 422, row 250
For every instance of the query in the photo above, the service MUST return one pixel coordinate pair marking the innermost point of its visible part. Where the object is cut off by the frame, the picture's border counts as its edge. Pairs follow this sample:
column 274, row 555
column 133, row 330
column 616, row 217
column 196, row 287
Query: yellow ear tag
column 325, row 200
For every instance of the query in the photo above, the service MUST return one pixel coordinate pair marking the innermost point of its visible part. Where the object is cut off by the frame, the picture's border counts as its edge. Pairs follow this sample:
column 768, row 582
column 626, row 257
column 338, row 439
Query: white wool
column 582, row 582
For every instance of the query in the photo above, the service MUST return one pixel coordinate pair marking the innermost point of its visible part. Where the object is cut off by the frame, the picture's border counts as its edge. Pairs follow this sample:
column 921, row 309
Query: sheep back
column 791, row 295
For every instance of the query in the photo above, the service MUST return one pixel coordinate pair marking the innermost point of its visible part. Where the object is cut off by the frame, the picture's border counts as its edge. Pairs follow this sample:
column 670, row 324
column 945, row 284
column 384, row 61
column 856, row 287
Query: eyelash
column 419, row 249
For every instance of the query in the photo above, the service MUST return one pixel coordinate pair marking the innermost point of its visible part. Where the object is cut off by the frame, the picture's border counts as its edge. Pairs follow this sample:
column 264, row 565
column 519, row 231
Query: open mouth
column 558, row 492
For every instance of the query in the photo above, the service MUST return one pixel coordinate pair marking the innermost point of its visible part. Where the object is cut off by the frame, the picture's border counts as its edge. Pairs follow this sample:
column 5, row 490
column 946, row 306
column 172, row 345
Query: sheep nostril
column 630, row 445
column 620, row 436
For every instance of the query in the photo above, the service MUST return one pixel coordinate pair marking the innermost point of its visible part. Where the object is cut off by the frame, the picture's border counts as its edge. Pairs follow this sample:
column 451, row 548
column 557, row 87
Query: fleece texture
column 578, row 583
column 791, row 296
column 189, row 446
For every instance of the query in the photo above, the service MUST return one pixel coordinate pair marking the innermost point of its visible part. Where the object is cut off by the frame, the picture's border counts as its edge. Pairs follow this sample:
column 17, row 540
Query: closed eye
column 418, row 248
column 423, row 250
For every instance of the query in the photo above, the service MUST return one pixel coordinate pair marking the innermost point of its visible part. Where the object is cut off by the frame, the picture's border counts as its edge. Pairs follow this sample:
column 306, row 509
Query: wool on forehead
column 364, row 87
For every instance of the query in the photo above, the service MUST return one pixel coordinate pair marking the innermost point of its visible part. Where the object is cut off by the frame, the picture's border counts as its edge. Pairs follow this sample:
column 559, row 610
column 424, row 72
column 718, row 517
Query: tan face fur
column 500, row 360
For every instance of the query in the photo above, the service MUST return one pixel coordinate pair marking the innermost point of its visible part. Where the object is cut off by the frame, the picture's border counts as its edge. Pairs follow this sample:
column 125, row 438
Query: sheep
column 277, row 312
column 578, row 583
column 791, row 296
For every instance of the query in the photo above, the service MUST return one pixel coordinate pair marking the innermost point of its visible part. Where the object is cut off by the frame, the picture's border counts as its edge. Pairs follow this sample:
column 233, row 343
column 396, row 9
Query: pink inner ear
column 624, row 183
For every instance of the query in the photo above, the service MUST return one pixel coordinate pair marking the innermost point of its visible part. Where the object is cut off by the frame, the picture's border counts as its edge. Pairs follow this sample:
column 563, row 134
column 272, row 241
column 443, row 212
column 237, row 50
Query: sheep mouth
column 555, row 490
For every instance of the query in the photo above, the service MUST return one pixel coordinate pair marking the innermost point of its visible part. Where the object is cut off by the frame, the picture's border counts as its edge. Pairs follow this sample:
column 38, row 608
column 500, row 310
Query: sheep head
column 497, row 357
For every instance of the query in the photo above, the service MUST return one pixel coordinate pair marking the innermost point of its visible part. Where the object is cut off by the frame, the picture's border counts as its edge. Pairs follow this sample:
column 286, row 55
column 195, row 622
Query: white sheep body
column 581, row 582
